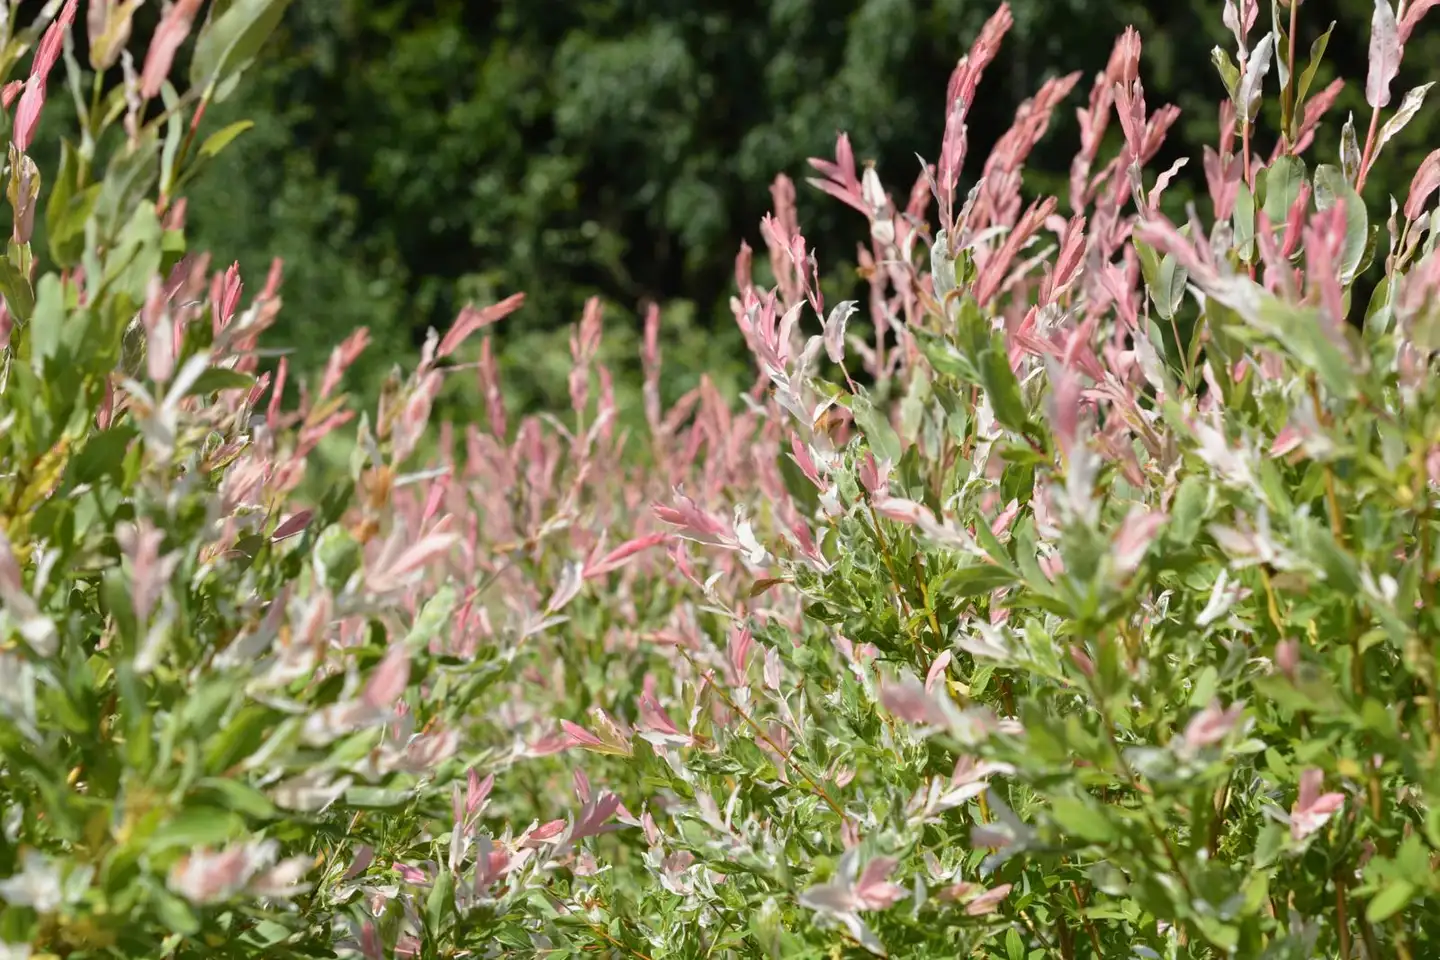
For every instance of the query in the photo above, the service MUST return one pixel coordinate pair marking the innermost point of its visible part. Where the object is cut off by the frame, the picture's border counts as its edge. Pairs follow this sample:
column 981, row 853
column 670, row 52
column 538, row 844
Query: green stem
column 1134, row 780
column 894, row 574
column 763, row 735
column 1288, row 96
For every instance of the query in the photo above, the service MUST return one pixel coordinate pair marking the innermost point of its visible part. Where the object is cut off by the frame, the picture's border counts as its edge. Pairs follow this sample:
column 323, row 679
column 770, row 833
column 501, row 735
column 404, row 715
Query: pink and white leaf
column 1313, row 809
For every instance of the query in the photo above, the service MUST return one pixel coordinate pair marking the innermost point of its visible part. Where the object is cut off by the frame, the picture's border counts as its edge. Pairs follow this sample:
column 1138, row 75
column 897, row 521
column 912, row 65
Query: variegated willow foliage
column 1100, row 624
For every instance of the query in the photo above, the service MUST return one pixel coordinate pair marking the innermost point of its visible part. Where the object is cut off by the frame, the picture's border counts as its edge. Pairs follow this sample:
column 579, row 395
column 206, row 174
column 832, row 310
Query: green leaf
column 221, row 139
column 914, row 405
column 1283, row 65
column 48, row 324
column 197, row 827
column 1380, row 314
column 1389, row 901
column 238, row 796
column 135, row 716
column 1014, row 946
column 973, row 330
column 441, row 903
column 174, row 137
column 433, row 617
column 58, row 233
column 1299, row 329
column 1003, row 389
column 15, row 286
column 229, row 41
column 1173, row 278
column 1081, row 820
column 175, row 914
column 883, row 440
column 1149, row 263
column 1282, row 181
column 1222, row 935
column 1332, row 188
column 137, row 255
column 1244, row 222
column 943, row 356
column 1187, row 512
column 1317, row 53
column 65, row 228
column 975, row 580
column 240, row 737
column 992, row 546
column 128, row 179
column 1229, row 73
column 376, row 798
column 216, row 379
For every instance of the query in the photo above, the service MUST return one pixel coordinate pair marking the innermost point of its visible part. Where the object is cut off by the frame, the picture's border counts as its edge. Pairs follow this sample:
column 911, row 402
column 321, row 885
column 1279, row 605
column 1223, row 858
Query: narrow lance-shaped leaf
column 1252, row 85
column 1409, row 106
column 1384, row 55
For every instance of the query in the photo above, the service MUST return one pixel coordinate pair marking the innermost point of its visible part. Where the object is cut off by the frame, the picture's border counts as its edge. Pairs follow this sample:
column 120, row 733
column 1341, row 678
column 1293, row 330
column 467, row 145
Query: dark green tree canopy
column 412, row 156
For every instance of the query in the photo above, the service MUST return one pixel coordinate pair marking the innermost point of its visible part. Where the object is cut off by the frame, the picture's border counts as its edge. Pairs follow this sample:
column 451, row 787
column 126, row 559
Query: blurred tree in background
column 411, row 155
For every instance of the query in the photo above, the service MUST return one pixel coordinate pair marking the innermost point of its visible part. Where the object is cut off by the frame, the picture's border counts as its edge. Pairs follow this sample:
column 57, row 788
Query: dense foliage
column 408, row 157
column 1096, row 619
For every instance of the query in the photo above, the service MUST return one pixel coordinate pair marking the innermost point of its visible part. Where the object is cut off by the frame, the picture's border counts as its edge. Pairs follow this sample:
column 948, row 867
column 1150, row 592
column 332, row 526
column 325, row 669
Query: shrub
column 1096, row 620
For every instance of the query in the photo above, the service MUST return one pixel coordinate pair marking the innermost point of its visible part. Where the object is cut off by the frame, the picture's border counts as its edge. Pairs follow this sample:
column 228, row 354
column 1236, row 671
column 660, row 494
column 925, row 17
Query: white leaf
column 1408, row 108
column 1384, row 55
column 1255, row 71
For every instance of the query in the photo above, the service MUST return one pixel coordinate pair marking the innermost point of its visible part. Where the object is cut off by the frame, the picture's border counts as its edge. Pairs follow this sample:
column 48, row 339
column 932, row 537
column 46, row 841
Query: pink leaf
column 1312, row 808
column 140, row 544
column 552, row 743
column 1135, row 537
column 389, row 680
column 417, row 556
column 578, row 736
column 654, row 719
column 476, row 790
column 616, row 558
column 582, row 785
column 341, row 358
column 471, row 319
column 694, row 522
column 741, row 641
column 292, row 525
column 904, row 511
column 1413, row 13
column 937, row 671
column 27, row 115
column 875, row 476
column 171, row 33
column 1287, row 657
column 801, row 454
column 225, row 291
column 546, row 831
column 988, row 901
column 1212, row 725
column 277, row 392
column 593, row 816
column 873, row 890
column 1427, row 178
column 1006, row 517
column 410, row 874
column 909, row 701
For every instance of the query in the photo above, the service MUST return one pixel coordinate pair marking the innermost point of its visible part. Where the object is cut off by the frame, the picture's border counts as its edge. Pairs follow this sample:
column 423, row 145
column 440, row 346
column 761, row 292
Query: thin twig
column 763, row 735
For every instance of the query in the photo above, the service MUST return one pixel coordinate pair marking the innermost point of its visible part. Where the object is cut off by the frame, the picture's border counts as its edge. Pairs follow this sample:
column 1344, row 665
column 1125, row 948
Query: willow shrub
column 1099, row 623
